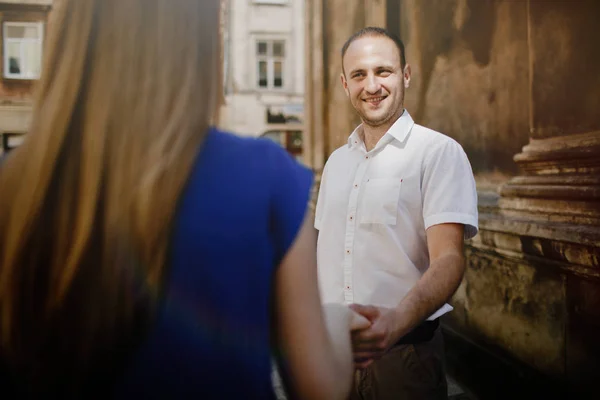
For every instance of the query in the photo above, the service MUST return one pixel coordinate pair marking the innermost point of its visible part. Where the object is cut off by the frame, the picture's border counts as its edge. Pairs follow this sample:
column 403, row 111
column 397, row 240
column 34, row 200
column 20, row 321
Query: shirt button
column 351, row 218
column 355, row 186
column 367, row 157
column 347, row 251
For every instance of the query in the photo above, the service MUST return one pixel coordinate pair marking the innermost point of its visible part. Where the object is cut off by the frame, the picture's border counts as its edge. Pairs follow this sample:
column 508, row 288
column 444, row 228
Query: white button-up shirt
column 374, row 207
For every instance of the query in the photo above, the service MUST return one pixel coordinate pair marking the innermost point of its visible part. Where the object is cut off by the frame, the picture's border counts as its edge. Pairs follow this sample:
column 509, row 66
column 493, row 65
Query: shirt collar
column 399, row 130
column 354, row 139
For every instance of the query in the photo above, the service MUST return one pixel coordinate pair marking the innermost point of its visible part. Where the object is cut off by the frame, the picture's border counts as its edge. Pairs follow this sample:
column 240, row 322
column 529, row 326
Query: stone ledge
column 588, row 235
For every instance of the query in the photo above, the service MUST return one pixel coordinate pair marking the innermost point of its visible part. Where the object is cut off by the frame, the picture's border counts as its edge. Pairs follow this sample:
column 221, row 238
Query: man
column 394, row 206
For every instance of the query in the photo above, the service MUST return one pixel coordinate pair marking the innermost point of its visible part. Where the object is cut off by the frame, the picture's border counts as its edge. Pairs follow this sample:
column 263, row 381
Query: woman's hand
column 358, row 322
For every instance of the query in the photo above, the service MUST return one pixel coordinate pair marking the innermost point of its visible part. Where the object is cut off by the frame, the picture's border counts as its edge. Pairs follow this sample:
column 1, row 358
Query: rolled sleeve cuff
column 446, row 308
column 317, row 224
column 469, row 221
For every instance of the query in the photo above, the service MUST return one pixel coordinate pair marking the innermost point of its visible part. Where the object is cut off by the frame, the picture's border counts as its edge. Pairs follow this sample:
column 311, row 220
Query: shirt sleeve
column 449, row 192
column 290, row 194
column 321, row 199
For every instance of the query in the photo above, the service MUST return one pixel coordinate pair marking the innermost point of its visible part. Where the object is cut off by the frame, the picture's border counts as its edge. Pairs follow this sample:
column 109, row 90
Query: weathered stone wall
column 564, row 68
column 470, row 69
column 510, row 304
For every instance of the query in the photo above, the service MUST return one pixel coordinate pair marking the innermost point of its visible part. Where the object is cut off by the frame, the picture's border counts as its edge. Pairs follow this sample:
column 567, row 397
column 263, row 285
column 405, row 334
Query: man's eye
column 384, row 73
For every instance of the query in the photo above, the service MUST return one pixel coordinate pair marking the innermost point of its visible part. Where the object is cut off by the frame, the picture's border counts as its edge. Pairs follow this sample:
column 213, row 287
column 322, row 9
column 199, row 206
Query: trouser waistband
column 422, row 333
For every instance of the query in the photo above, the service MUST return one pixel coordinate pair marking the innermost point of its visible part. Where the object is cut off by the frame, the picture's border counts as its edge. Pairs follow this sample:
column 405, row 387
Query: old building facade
column 264, row 67
column 22, row 31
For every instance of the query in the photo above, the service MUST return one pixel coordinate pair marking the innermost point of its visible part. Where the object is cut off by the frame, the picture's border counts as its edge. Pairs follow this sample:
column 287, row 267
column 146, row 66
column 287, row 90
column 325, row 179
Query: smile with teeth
column 375, row 99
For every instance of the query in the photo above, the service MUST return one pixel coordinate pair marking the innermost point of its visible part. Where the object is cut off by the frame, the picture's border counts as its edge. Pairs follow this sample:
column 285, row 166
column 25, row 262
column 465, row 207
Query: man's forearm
column 434, row 288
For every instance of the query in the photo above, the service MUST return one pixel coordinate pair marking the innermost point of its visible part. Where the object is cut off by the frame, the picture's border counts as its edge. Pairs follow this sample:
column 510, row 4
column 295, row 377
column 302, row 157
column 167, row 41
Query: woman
column 144, row 254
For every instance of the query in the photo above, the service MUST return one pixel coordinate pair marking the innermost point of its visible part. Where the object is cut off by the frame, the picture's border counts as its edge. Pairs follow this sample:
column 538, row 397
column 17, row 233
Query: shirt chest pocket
column 379, row 203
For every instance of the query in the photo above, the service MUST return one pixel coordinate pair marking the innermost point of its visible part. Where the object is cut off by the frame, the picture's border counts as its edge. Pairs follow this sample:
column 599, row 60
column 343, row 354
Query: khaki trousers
column 405, row 372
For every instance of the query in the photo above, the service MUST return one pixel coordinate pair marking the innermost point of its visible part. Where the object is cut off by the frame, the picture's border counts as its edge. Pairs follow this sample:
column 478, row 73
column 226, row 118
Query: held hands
column 377, row 337
column 354, row 320
column 340, row 322
column 358, row 322
column 372, row 331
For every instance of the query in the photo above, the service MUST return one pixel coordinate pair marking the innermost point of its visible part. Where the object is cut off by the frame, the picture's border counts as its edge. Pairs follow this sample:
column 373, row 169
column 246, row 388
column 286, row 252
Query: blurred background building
column 264, row 69
column 23, row 24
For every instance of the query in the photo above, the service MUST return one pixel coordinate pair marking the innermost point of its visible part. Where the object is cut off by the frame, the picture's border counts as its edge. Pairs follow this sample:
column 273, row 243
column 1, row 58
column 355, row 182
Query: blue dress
column 242, row 207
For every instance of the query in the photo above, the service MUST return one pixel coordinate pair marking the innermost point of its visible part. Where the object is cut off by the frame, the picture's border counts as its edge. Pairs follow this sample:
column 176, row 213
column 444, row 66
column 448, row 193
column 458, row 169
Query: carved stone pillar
column 560, row 185
column 532, row 288
column 561, row 164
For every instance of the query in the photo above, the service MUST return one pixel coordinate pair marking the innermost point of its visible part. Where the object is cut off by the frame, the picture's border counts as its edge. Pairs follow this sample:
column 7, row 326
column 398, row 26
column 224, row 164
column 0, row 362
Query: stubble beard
column 375, row 123
column 392, row 113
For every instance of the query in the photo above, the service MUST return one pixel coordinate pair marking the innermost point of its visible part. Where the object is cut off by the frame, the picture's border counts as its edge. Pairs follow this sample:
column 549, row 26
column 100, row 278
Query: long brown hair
column 127, row 93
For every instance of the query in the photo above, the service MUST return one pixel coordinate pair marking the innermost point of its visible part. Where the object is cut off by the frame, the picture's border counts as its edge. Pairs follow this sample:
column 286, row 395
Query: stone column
column 313, row 93
column 561, row 164
column 560, row 184
column 533, row 283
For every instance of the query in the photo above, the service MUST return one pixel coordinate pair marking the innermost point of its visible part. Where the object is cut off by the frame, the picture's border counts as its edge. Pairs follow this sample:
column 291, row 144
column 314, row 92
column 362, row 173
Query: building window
column 9, row 141
column 270, row 55
column 23, row 49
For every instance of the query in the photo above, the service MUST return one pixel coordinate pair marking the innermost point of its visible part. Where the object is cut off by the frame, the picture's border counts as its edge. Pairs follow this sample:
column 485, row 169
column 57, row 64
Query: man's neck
column 372, row 134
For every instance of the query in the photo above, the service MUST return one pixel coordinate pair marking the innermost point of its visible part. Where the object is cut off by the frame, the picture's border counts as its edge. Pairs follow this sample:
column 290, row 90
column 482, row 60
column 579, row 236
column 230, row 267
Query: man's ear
column 406, row 75
column 344, row 84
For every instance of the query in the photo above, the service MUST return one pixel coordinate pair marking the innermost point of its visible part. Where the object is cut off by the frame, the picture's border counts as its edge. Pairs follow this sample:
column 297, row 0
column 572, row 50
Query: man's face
column 374, row 79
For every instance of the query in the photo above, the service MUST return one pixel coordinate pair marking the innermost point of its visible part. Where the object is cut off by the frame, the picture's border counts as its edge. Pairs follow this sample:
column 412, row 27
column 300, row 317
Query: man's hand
column 371, row 343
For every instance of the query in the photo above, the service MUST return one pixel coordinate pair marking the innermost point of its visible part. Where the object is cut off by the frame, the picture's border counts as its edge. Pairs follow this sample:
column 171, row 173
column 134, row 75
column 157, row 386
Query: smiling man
column 395, row 205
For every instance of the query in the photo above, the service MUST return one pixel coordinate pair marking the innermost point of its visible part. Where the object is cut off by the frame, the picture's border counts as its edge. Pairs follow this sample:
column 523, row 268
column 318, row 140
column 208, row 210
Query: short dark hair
column 375, row 31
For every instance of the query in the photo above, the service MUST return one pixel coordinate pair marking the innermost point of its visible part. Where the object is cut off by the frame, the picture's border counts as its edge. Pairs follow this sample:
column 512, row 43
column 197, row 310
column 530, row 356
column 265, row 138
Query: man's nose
column 372, row 85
